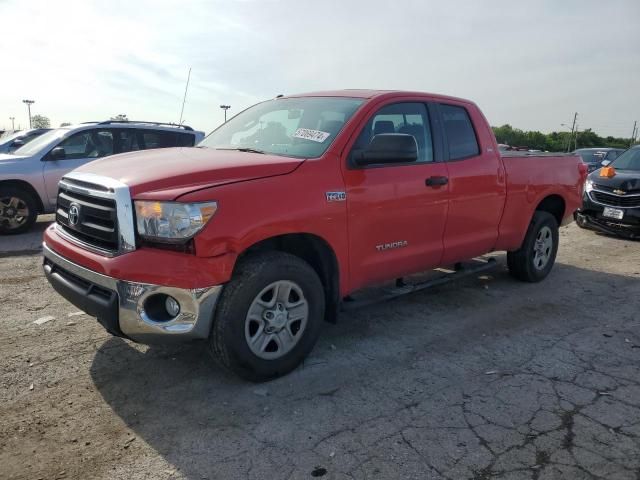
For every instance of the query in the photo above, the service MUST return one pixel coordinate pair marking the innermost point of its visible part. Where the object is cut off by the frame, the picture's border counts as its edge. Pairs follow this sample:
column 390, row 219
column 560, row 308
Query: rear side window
column 158, row 139
column 128, row 140
column 186, row 139
column 459, row 130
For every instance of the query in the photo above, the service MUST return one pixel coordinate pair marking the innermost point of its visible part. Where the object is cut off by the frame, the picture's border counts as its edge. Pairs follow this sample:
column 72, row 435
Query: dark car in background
column 10, row 143
column 593, row 157
column 612, row 204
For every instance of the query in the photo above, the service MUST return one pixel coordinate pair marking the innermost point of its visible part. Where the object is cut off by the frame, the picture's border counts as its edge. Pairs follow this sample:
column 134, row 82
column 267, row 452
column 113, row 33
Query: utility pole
column 633, row 134
column 573, row 129
column 576, row 138
column 13, row 123
column 29, row 103
column 225, row 108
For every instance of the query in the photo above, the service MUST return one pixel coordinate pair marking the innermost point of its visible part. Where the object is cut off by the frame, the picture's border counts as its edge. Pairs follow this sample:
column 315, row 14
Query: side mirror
column 57, row 153
column 388, row 148
column 604, row 163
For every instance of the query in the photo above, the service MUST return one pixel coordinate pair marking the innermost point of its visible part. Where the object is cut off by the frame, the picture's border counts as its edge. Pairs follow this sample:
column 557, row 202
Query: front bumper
column 122, row 307
column 592, row 215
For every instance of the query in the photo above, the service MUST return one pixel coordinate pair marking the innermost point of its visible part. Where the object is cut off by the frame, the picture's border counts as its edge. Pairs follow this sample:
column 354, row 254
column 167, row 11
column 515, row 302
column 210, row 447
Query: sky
column 530, row 64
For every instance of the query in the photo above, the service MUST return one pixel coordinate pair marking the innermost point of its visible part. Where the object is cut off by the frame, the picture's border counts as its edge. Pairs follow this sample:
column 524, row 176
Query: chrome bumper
column 196, row 305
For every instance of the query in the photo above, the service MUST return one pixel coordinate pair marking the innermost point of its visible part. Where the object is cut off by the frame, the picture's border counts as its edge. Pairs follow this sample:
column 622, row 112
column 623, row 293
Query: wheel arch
column 553, row 204
column 314, row 250
column 25, row 186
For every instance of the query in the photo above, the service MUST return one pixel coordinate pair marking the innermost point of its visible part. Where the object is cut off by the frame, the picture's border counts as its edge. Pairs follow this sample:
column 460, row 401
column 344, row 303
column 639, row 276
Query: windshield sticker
column 313, row 135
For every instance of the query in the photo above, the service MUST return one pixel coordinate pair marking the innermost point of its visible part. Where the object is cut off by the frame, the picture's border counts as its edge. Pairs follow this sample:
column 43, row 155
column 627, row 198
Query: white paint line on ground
column 75, row 314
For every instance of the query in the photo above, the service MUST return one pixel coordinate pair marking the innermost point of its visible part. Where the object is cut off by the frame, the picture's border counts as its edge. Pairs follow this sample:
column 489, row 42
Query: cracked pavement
column 483, row 378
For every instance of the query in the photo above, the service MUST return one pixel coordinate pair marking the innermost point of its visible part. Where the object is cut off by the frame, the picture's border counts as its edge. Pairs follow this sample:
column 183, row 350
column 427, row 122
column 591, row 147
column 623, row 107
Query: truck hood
column 627, row 180
column 168, row 173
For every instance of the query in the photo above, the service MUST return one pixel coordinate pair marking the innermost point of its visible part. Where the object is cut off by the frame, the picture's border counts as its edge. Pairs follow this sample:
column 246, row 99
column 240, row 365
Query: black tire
column 522, row 262
column 26, row 199
column 227, row 341
column 580, row 220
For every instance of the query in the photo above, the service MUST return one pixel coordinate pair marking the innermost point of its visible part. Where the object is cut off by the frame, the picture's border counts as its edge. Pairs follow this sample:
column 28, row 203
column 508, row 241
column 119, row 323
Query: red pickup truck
column 254, row 237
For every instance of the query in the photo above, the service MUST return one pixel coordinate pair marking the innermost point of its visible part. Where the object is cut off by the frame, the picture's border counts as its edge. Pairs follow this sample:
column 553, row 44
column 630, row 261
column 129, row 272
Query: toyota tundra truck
column 252, row 239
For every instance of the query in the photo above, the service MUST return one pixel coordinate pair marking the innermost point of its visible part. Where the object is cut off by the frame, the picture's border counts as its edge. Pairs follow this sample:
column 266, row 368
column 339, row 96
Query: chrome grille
column 95, row 213
column 95, row 220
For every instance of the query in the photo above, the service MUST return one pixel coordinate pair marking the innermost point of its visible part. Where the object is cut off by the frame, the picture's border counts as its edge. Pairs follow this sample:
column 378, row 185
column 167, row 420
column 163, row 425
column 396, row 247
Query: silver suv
column 29, row 176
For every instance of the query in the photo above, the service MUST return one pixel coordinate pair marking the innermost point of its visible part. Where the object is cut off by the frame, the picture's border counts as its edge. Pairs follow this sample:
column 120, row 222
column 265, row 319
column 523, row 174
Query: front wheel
column 269, row 316
column 18, row 210
column 535, row 258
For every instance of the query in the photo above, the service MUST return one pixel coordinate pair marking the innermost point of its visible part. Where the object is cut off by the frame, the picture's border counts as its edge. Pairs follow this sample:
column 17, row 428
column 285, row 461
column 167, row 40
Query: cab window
column 407, row 118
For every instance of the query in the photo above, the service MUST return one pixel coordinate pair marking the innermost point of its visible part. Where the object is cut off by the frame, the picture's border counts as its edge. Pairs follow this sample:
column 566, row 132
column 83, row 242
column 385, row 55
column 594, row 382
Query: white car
column 29, row 176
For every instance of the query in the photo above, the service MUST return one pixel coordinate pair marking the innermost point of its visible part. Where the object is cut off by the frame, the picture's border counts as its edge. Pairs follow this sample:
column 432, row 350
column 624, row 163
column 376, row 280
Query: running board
column 461, row 270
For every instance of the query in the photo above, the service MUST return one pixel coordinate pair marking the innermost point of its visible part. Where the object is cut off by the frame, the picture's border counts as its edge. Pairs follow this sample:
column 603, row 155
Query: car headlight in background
column 172, row 222
column 588, row 185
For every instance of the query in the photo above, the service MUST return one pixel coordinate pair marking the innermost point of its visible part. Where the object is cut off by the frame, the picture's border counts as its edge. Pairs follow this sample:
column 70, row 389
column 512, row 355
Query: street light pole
column 13, row 123
column 225, row 108
column 29, row 103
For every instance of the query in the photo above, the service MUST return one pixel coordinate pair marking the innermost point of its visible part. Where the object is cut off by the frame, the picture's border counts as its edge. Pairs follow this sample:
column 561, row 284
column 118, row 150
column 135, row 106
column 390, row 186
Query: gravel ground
column 479, row 379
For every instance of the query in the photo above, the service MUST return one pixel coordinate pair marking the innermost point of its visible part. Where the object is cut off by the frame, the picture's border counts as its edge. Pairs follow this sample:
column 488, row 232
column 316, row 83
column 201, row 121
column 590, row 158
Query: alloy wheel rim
column 542, row 248
column 14, row 212
column 276, row 320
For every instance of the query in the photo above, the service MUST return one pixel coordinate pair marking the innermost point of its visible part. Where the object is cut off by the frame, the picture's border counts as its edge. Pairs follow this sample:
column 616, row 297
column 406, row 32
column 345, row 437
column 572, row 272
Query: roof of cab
column 369, row 94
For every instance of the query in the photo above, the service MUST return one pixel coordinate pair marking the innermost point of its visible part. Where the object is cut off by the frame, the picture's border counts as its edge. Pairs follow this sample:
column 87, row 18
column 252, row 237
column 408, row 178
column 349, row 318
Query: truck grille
column 92, row 220
column 615, row 200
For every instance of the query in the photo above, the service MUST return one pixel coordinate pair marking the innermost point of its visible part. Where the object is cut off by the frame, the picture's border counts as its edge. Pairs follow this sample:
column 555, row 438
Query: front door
column 397, row 212
column 80, row 148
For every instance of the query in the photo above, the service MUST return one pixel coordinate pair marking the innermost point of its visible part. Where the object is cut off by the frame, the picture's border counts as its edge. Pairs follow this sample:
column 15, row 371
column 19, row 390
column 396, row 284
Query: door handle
column 436, row 181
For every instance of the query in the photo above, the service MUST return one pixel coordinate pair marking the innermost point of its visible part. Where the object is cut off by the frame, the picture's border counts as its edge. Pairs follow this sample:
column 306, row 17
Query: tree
column 122, row 117
column 555, row 141
column 40, row 121
column 65, row 124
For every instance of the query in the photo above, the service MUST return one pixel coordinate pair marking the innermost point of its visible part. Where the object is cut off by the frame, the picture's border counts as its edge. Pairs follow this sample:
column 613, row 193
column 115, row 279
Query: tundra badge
column 387, row 246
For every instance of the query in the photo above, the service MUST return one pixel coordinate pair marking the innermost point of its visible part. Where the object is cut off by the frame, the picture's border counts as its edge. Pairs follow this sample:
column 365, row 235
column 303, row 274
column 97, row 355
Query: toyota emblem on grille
column 74, row 214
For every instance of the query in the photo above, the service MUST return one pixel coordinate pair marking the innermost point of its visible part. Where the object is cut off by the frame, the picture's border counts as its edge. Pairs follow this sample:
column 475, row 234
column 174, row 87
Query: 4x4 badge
column 336, row 196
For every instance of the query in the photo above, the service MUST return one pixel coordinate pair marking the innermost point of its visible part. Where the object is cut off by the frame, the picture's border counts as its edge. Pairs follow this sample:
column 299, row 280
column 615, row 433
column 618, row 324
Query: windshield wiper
column 243, row 149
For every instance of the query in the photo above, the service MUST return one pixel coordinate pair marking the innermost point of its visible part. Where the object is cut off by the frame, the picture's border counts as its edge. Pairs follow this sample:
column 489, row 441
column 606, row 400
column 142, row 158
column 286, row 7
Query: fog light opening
column 172, row 306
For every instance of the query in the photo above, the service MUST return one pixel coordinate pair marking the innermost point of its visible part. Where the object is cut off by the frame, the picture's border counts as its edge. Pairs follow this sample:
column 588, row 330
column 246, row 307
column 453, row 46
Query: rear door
column 477, row 187
column 396, row 221
column 80, row 148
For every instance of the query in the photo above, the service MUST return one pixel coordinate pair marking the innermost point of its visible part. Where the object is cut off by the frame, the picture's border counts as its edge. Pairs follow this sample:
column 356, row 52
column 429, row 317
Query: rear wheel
column 535, row 259
column 269, row 316
column 18, row 210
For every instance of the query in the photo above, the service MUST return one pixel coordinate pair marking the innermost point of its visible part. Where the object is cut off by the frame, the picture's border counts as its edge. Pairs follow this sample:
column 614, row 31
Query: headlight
column 588, row 185
column 172, row 222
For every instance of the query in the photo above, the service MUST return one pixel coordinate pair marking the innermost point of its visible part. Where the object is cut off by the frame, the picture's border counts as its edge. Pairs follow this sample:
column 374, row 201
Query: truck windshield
column 43, row 140
column 293, row 127
column 629, row 160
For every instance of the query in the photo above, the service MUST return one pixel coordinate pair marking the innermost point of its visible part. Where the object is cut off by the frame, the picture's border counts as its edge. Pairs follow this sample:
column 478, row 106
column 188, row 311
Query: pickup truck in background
column 252, row 239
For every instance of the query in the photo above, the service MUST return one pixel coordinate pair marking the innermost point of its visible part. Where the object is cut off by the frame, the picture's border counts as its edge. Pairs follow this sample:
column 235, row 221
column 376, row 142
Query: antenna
column 185, row 96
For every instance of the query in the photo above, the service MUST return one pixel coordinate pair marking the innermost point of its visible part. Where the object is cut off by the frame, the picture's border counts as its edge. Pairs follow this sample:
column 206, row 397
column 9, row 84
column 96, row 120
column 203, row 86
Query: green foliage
column 122, row 117
column 40, row 121
column 555, row 141
column 65, row 124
